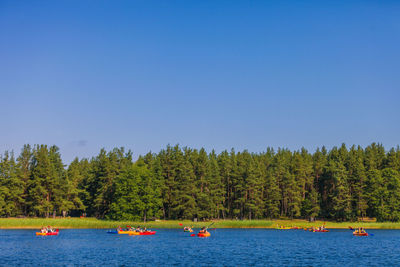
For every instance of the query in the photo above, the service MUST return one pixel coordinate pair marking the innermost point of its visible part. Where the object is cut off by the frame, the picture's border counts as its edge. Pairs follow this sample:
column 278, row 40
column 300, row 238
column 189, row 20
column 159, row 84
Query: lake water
column 226, row 247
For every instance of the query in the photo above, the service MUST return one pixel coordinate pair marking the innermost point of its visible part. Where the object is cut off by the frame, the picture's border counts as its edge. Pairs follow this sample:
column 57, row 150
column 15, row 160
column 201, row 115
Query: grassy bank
column 35, row 223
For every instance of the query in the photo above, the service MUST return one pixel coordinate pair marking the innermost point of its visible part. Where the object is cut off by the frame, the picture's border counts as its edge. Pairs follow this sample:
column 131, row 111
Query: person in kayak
column 138, row 229
column 360, row 230
column 43, row 230
column 203, row 230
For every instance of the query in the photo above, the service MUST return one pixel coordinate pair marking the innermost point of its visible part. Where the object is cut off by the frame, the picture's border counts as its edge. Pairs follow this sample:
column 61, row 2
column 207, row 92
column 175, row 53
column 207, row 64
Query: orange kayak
column 206, row 234
column 51, row 233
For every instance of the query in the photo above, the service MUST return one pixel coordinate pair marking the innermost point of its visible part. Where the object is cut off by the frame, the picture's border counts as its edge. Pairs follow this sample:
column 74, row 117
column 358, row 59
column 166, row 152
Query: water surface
column 226, row 247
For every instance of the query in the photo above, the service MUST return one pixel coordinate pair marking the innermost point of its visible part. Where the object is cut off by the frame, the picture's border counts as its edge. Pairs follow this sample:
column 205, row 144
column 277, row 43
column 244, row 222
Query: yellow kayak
column 125, row 232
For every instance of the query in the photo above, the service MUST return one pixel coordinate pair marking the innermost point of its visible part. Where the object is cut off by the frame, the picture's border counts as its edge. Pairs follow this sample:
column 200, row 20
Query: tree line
column 183, row 183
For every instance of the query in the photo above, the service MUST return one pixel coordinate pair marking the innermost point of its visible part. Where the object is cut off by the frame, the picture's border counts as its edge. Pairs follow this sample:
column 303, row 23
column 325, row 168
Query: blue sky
column 216, row 74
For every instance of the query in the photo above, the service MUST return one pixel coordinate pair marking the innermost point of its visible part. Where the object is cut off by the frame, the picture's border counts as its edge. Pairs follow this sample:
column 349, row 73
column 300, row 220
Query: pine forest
column 340, row 184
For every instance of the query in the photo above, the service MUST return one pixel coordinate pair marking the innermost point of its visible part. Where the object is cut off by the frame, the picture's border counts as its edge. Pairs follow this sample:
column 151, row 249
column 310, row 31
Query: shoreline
column 93, row 223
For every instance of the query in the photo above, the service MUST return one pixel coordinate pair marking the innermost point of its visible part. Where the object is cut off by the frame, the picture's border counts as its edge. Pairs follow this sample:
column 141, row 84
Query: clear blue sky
column 216, row 74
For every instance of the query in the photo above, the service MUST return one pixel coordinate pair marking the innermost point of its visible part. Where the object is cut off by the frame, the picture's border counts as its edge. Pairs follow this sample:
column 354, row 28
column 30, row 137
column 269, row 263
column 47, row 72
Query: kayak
column 142, row 233
column 321, row 231
column 283, row 228
column 356, row 233
column 190, row 231
column 124, row 232
column 206, row 234
column 51, row 233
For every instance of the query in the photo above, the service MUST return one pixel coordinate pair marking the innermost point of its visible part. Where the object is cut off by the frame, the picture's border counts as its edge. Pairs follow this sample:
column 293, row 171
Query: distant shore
column 93, row 223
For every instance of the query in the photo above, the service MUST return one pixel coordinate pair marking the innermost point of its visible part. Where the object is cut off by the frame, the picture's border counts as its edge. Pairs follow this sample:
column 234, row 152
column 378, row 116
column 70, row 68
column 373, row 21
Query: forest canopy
column 341, row 184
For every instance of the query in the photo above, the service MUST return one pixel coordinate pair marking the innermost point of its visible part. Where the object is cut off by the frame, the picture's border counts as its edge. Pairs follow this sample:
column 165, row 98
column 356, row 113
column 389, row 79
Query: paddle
column 210, row 225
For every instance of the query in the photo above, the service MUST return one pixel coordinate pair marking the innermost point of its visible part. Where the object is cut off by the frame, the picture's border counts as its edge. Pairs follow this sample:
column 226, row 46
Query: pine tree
column 338, row 202
column 357, row 181
column 254, row 180
column 391, row 179
column 378, row 194
column 24, row 173
column 184, row 204
column 271, row 185
column 199, row 161
column 393, row 159
column 167, row 172
column 44, row 181
column 10, row 187
column 215, row 187
column 126, row 203
column 225, row 172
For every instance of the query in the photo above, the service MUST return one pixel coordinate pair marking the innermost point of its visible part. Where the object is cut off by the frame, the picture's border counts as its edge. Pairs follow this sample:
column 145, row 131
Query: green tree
column 10, row 187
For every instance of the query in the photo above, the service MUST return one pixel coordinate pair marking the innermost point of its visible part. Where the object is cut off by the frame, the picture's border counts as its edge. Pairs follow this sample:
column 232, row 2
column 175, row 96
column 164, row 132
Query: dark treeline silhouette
column 184, row 183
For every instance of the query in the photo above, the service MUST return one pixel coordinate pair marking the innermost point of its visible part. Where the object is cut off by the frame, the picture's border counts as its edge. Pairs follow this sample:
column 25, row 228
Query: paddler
column 203, row 230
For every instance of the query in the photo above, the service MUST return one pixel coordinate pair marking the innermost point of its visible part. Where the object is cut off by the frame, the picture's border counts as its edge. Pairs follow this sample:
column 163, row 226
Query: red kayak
column 50, row 233
column 356, row 233
column 318, row 231
column 143, row 233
